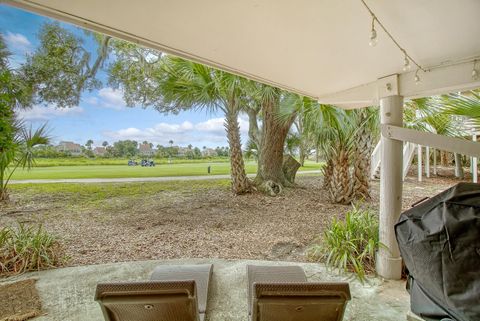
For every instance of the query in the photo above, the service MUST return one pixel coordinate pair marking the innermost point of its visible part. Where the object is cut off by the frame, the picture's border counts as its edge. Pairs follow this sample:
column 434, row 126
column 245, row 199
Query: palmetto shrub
column 350, row 244
column 28, row 248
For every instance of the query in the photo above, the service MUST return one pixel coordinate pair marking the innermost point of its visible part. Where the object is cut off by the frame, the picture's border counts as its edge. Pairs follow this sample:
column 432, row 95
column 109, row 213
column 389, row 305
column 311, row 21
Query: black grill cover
column 440, row 244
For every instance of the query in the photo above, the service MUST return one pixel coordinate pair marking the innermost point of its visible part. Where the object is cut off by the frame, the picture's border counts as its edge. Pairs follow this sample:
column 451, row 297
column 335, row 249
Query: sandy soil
column 185, row 224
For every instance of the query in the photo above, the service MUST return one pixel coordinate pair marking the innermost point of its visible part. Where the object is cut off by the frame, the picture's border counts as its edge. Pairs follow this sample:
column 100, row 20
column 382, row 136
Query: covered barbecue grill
column 439, row 241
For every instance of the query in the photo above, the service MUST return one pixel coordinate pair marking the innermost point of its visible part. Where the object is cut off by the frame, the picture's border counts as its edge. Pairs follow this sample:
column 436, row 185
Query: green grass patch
column 84, row 161
column 117, row 171
column 110, row 197
column 93, row 193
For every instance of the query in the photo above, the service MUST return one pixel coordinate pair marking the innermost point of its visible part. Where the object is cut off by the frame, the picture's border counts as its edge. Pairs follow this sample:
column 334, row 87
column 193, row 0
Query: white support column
column 389, row 262
column 419, row 162
column 435, row 161
column 474, row 163
column 427, row 161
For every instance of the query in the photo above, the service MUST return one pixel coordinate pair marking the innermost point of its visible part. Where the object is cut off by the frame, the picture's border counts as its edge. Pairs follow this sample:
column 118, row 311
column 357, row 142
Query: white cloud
column 39, row 112
column 210, row 131
column 18, row 42
column 92, row 100
column 215, row 126
column 110, row 98
column 172, row 128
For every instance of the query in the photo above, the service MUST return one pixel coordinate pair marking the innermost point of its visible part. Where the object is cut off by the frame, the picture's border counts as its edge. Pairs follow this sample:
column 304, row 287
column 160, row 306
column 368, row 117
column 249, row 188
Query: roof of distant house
column 69, row 145
column 145, row 148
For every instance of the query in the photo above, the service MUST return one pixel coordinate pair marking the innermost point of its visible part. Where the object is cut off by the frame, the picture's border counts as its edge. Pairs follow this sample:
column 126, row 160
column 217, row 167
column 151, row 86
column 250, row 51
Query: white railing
column 375, row 159
column 408, row 153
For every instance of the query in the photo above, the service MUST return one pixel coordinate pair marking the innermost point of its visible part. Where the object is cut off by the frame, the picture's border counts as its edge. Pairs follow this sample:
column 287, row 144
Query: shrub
column 349, row 245
column 28, row 248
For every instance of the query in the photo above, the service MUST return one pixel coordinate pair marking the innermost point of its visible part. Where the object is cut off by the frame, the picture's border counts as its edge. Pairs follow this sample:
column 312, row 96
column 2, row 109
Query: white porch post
column 435, row 161
column 427, row 161
column 389, row 262
column 474, row 162
column 419, row 162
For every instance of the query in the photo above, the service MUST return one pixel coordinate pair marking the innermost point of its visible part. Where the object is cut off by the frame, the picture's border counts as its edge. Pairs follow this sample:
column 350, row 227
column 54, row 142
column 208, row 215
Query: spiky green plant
column 28, row 248
column 350, row 244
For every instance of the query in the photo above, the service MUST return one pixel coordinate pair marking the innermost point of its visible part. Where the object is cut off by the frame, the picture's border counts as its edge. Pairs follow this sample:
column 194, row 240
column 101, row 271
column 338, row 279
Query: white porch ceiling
column 318, row 48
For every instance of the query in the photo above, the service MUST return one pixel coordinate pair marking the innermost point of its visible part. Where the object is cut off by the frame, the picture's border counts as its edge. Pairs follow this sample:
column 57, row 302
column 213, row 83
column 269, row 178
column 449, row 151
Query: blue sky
column 102, row 114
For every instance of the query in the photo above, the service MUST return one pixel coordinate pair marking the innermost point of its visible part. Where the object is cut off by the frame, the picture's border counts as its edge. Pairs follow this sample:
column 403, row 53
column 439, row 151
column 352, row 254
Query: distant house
column 182, row 151
column 70, row 147
column 209, row 152
column 99, row 151
column 145, row 150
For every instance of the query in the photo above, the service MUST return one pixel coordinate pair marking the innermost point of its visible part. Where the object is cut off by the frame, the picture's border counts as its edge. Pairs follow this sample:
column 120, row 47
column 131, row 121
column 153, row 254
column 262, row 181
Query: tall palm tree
column 191, row 85
column 299, row 106
column 16, row 141
column 334, row 131
column 366, row 121
column 20, row 153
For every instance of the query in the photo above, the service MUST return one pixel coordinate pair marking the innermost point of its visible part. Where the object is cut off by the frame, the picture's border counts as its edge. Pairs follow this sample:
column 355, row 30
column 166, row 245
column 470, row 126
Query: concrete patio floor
column 67, row 293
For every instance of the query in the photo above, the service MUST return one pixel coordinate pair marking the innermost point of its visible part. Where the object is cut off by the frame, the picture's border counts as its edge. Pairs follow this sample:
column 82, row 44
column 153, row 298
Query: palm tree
column 366, row 121
column 334, row 130
column 89, row 144
column 16, row 141
column 190, row 85
column 19, row 153
column 170, row 142
column 465, row 105
column 465, row 109
column 444, row 115
column 298, row 106
column 105, row 144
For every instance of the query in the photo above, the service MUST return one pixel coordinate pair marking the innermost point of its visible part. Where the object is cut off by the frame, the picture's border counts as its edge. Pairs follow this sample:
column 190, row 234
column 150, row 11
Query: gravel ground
column 191, row 224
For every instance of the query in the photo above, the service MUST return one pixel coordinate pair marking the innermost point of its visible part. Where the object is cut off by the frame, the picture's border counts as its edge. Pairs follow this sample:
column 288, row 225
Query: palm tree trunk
column 361, row 165
column 444, row 158
column 3, row 195
column 327, row 171
column 458, row 166
column 3, row 187
column 240, row 181
column 302, row 155
column 274, row 133
column 340, row 182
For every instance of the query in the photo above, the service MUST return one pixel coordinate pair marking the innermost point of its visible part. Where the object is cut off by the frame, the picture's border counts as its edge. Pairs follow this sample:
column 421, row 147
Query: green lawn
column 80, row 161
column 87, row 194
column 124, row 171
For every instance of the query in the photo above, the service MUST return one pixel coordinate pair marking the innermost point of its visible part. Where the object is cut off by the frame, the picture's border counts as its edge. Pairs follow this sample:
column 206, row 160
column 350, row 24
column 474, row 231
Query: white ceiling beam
column 435, row 81
column 439, row 80
column 451, row 144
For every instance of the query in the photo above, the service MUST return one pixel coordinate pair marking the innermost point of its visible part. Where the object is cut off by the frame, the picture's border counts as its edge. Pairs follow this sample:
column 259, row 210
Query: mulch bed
column 191, row 224
column 19, row 301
